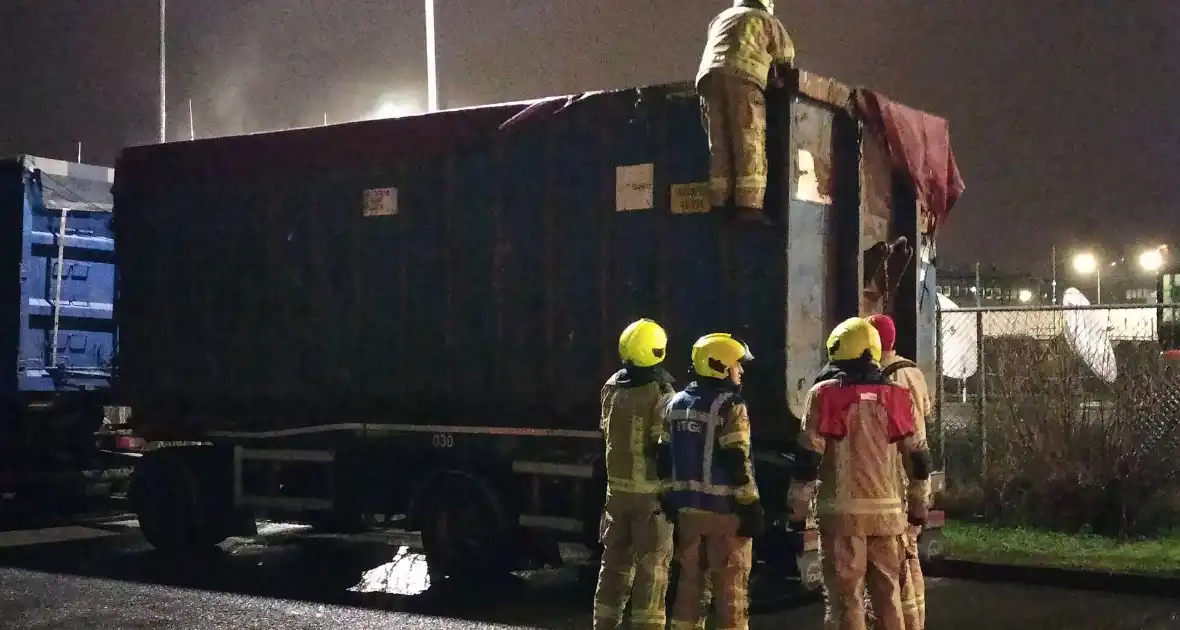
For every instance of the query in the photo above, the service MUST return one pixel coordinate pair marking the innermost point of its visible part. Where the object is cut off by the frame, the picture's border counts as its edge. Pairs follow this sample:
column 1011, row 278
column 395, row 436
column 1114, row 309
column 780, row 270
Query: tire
column 465, row 531
column 176, row 512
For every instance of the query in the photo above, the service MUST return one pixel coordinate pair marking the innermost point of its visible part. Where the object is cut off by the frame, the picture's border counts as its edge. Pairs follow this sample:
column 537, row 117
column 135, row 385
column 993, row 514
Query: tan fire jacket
column 860, row 492
column 912, row 379
column 744, row 42
column 632, row 423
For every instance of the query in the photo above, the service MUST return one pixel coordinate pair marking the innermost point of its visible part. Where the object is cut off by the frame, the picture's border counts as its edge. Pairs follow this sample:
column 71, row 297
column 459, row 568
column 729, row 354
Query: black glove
column 751, row 520
column 668, row 509
column 917, row 517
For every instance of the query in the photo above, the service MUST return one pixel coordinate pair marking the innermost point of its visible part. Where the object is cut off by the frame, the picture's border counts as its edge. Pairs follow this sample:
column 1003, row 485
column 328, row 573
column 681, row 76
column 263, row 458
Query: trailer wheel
column 465, row 531
column 175, row 511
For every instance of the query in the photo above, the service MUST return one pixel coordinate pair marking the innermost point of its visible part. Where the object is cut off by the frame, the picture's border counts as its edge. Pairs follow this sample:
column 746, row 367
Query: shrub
column 1060, row 448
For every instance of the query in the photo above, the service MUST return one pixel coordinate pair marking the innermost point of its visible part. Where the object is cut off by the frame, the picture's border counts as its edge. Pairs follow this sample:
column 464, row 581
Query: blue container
column 59, row 336
column 451, row 270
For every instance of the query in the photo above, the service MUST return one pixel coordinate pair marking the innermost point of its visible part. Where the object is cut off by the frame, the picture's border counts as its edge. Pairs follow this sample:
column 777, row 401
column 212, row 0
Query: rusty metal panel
column 810, row 248
column 876, row 187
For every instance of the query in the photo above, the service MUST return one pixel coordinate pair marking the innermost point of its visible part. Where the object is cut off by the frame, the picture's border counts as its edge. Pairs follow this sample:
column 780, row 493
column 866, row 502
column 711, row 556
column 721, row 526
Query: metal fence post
column 981, row 394
column 940, row 397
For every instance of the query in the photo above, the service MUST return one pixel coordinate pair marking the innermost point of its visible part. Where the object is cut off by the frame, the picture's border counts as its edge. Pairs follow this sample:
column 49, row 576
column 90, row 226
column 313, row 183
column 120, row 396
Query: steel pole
column 431, row 60
column 163, row 77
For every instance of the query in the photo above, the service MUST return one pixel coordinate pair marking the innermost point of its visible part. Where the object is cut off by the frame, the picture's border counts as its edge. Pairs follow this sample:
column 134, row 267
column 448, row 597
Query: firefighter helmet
column 643, row 343
column 887, row 329
column 852, row 339
column 713, row 355
column 767, row 5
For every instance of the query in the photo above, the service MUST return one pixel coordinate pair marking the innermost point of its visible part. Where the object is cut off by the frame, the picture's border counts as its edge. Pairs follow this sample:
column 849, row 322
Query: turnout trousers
column 712, row 557
column 733, row 111
column 637, row 541
column 853, row 565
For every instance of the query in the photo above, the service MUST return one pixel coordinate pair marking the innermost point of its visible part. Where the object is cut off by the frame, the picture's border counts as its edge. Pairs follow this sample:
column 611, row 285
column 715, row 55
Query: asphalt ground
column 98, row 573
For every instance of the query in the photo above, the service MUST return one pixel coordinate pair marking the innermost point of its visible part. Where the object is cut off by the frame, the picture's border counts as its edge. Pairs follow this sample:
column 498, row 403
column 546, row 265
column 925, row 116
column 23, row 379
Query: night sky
column 1064, row 113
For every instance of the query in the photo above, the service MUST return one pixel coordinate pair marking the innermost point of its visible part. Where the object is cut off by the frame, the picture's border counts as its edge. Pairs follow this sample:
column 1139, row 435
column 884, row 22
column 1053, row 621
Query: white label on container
column 634, row 186
column 381, row 202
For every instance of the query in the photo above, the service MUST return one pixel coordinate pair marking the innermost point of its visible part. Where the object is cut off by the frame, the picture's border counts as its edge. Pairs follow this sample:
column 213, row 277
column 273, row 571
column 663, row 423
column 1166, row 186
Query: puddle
column 406, row 574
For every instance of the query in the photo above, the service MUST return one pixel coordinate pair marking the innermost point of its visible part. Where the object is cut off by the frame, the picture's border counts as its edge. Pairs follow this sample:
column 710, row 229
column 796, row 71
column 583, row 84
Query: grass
column 992, row 544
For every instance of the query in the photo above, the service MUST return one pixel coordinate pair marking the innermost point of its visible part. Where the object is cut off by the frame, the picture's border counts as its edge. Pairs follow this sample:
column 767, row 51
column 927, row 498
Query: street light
column 431, row 61
column 1024, row 295
column 1086, row 264
column 1151, row 260
column 163, row 78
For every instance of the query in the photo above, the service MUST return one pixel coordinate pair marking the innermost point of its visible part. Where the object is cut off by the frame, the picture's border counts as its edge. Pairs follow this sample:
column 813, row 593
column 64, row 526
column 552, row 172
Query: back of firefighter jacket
column 703, row 421
column 744, row 42
column 632, row 424
column 860, row 435
column 913, row 380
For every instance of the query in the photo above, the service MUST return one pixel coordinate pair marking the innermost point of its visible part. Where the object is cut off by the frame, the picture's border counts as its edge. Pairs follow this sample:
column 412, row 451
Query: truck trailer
column 414, row 316
column 57, row 333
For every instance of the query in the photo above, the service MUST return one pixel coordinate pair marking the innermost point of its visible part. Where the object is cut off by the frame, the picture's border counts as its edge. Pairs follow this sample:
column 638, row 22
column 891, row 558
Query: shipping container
column 57, row 332
column 441, row 268
column 394, row 298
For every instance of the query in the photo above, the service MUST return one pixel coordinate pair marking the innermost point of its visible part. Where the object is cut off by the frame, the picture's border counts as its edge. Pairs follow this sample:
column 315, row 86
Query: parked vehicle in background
column 57, row 334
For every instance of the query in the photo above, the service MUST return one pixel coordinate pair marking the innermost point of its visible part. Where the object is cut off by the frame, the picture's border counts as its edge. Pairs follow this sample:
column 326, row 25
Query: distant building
column 996, row 288
column 1122, row 283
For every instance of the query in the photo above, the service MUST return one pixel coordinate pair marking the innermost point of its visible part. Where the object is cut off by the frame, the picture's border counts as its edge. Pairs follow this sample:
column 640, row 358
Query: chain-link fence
column 1064, row 417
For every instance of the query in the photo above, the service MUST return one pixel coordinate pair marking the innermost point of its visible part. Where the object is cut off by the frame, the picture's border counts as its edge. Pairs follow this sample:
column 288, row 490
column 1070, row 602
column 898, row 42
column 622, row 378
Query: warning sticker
column 381, row 202
column 690, row 198
column 633, row 187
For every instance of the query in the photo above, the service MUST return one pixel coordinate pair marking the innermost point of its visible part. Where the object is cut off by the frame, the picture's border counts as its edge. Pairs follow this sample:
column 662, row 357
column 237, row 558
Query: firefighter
column 744, row 43
column 858, row 431
column 636, row 533
column 901, row 371
column 713, row 489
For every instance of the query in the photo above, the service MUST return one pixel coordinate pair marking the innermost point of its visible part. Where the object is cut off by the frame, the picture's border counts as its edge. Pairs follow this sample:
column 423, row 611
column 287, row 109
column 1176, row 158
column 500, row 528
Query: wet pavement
column 102, row 576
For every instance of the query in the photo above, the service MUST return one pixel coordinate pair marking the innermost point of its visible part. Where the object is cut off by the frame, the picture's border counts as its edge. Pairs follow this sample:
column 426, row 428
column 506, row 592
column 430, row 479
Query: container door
column 67, row 336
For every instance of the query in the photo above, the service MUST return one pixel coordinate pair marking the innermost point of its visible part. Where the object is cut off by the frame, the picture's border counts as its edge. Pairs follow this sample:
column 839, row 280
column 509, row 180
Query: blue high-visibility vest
column 695, row 416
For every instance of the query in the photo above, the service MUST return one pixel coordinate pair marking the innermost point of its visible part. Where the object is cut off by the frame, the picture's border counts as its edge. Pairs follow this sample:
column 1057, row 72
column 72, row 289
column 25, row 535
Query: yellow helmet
column 852, row 338
column 714, row 354
column 643, row 343
column 768, row 5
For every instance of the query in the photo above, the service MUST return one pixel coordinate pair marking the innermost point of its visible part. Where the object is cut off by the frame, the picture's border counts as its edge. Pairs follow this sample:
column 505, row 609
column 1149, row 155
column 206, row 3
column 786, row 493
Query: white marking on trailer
column 572, row 525
column 89, row 306
column 29, row 537
column 266, row 455
column 559, row 470
column 358, row 427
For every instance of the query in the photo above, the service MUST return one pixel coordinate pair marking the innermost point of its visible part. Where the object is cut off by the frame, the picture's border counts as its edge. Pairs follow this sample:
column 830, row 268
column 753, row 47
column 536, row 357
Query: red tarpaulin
column 920, row 145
